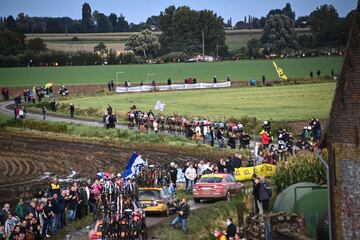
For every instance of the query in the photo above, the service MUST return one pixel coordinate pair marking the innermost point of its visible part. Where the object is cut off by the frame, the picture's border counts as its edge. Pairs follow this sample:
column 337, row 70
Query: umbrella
column 49, row 85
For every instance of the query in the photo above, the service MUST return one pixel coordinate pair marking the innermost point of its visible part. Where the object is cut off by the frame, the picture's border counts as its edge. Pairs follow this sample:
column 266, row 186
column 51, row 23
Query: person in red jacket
column 265, row 139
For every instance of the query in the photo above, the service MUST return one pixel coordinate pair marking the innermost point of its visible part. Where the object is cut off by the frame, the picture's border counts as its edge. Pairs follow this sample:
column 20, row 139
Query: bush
column 36, row 125
column 304, row 167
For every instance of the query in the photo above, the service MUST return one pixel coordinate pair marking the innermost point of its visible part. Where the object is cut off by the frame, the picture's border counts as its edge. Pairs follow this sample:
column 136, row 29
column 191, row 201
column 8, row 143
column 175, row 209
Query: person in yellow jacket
column 54, row 187
column 219, row 234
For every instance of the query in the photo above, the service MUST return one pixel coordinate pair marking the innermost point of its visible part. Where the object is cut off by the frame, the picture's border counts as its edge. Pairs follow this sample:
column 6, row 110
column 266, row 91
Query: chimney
column 343, row 142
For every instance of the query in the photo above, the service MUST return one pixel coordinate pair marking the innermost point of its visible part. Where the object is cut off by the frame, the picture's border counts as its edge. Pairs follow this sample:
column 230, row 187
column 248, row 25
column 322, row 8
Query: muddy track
column 25, row 157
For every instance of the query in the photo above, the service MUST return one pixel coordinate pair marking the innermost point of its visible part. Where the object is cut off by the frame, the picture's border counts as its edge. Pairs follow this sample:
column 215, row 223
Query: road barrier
column 173, row 87
column 246, row 173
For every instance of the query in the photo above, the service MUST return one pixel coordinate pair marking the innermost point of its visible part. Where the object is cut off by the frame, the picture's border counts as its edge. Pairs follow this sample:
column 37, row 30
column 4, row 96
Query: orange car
column 216, row 186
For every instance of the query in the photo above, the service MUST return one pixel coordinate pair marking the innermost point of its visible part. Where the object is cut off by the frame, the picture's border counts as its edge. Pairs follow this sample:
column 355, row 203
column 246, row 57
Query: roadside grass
column 202, row 221
column 77, row 225
column 244, row 70
column 278, row 103
column 125, row 138
column 120, row 135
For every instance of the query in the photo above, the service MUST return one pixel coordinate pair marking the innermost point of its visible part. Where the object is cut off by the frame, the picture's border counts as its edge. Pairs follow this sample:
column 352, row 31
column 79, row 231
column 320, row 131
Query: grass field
column 283, row 103
column 235, row 39
column 204, row 72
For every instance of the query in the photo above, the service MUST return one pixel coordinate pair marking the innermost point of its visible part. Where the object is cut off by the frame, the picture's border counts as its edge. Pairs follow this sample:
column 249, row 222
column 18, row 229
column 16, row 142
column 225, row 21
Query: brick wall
column 344, row 143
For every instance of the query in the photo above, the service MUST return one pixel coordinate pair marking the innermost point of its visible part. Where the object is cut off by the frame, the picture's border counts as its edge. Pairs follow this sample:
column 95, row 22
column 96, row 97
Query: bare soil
column 25, row 157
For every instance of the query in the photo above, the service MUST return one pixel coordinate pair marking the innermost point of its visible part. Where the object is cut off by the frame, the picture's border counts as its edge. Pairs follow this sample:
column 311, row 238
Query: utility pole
column 66, row 29
column 203, row 44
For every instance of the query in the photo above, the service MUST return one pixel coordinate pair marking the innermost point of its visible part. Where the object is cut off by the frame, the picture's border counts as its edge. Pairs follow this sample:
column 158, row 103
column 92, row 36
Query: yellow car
column 157, row 200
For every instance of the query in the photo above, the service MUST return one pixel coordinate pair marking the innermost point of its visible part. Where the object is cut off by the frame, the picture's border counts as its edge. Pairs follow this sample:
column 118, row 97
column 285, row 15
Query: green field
column 286, row 103
column 204, row 72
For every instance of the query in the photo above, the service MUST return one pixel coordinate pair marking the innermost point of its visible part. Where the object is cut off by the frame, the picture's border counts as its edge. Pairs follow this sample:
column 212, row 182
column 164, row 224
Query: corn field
column 304, row 167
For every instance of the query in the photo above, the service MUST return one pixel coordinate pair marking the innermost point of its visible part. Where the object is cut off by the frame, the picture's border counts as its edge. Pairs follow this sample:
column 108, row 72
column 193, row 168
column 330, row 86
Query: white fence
column 173, row 87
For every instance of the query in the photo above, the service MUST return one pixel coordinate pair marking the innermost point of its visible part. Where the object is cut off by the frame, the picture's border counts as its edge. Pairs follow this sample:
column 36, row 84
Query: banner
column 246, row 173
column 173, row 87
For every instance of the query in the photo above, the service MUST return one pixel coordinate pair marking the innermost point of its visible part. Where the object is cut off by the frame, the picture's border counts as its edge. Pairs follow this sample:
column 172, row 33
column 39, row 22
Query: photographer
column 183, row 210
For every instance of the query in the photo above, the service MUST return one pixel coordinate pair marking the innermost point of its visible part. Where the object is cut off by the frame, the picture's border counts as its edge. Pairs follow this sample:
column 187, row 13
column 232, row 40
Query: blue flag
column 133, row 165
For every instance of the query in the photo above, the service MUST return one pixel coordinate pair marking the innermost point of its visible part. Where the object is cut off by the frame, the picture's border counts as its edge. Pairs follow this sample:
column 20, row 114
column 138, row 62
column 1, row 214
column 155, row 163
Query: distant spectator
column 112, row 85
column 109, row 86
column 215, row 79
column 20, row 209
column 311, row 74
column 169, row 81
column 191, row 175
column 263, row 80
column 72, row 110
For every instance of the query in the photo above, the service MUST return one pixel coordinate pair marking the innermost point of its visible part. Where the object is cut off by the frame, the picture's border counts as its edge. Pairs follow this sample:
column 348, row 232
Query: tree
column 10, row 23
column 254, row 46
column 36, row 45
column 123, row 24
column 287, row 10
column 12, row 42
column 144, row 42
column 114, row 22
column 86, row 21
column 100, row 48
column 324, row 24
column 279, row 33
column 182, row 31
column 103, row 23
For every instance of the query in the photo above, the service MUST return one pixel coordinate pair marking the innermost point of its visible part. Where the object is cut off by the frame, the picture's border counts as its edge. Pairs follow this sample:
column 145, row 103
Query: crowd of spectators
column 47, row 212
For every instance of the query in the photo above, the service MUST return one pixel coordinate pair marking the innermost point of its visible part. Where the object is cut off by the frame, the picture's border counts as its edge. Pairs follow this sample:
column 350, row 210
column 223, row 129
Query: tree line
column 183, row 32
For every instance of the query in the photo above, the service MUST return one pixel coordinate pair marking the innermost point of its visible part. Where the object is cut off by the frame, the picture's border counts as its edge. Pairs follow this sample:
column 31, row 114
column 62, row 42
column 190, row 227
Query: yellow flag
column 280, row 72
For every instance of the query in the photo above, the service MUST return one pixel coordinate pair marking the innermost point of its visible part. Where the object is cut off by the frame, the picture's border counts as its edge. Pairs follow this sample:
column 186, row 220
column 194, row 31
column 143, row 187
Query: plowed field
column 25, row 159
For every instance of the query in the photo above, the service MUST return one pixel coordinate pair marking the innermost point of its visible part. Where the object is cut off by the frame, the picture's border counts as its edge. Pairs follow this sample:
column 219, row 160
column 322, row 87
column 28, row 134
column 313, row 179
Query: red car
column 216, row 186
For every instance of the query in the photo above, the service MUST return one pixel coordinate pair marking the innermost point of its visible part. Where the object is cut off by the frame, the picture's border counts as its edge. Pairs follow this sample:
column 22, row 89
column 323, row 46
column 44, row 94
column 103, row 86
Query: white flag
column 159, row 106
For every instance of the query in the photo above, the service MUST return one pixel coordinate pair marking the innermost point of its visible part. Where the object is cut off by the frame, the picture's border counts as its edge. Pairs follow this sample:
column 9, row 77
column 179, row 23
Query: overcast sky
column 138, row 10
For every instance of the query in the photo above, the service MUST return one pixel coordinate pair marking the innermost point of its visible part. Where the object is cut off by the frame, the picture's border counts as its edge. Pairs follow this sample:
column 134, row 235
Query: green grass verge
column 118, row 135
column 73, row 227
column 279, row 103
column 202, row 221
column 204, row 72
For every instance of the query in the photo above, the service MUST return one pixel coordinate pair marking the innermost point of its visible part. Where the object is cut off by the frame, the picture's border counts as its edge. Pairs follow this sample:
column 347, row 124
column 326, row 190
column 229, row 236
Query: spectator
column 311, row 74
column 109, row 86
column 215, row 79
column 256, row 194
column 230, row 228
column 112, row 85
column 173, row 174
column 183, row 210
column 54, row 187
column 219, row 136
column 169, row 82
column 43, row 111
column 263, row 80
column 190, row 174
column 265, row 193
column 72, row 203
column 72, row 110
column 221, row 166
column 20, row 209
column 55, row 218
column 219, row 235
column 4, row 213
